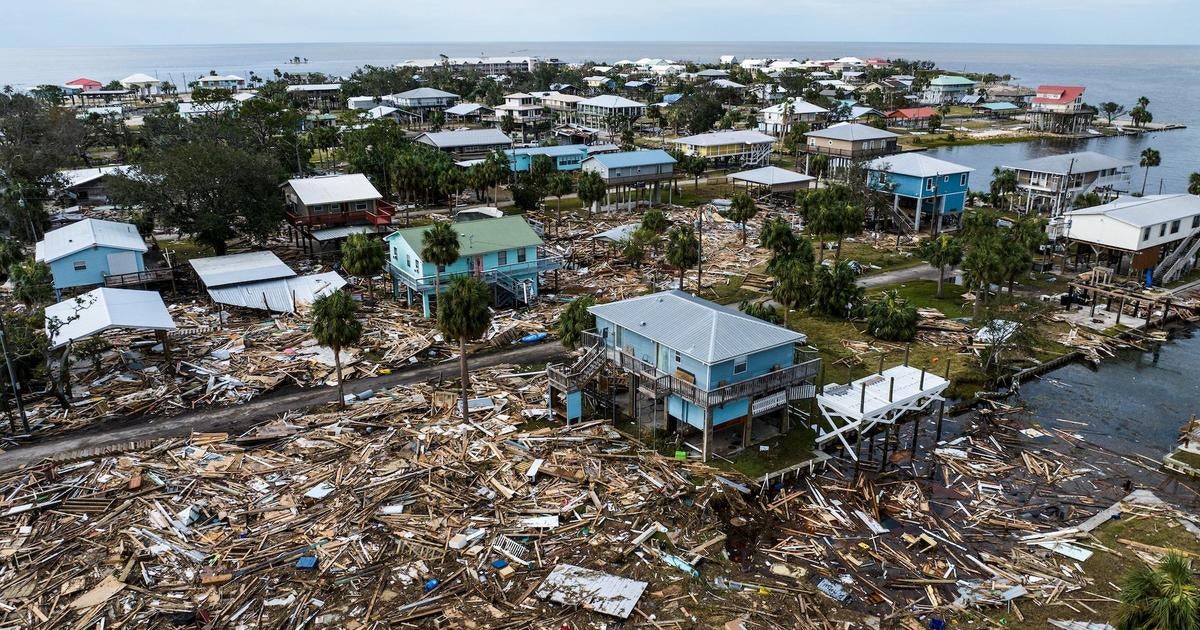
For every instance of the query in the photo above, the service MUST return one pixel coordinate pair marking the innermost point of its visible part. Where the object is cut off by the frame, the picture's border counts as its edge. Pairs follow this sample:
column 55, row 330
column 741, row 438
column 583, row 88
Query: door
column 122, row 262
column 478, row 266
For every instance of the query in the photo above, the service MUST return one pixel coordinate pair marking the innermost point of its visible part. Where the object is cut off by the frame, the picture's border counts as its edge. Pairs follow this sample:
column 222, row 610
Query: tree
column 208, row 190
column 437, row 120
column 1087, row 200
column 335, row 326
column 832, row 218
column 1149, row 159
column 1163, row 597
column 892, row 317
column 33, row 283
column 591, row 189
column 11, row 253
column 1111, row 110
column 1004, row 182
column 463, row 314
column 683, row 250
column 761, row 310
column 633, row 249
column 363, row 257
column 507, row 123
column 695, row 166
column 450, row 184
column 439, row 247
column 655, row 221
column 742, row 208
column 561, row 184
column 1194, row 184
column 984, row 246
column 1140, row 114
column 837, row 293
column 575, row 320
column 941, row 252
column 793, row 281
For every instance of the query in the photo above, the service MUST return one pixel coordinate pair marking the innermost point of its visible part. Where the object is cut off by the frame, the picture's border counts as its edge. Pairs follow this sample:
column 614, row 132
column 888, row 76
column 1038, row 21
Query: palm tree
column 655, row 221
column 439, row 247
column 463, row 314
column 941, row 252
column 683, row 250
column 363, row 257
column 591, row 189
column 838, row 220
column 1004, row 181
column 1150, row 158
column 1164, row 597
column 561, row 184
column 335, row 326
column 450, row 183
column 741, row 210
column 1194, row 184
column 575, row 320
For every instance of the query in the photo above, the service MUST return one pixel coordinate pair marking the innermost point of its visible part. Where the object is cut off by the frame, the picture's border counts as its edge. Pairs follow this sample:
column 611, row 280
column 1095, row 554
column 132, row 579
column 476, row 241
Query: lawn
column 887, row 259
column 184, row 250
column 782, row 452
column 923, row 294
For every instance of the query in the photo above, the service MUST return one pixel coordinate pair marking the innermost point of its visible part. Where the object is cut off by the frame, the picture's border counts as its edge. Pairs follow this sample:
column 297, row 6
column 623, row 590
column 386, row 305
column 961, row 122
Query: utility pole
column 12, row 375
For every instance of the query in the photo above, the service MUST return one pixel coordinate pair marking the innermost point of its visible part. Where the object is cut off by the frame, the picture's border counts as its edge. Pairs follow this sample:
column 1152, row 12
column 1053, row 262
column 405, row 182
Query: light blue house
column 502, row 252
column 565, row 158
column 925, row 191
column 86, row 252
column 710, row 367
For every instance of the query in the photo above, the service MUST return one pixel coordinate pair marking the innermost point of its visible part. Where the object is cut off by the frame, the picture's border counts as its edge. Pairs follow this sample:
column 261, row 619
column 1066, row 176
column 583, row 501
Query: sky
column 52, row 23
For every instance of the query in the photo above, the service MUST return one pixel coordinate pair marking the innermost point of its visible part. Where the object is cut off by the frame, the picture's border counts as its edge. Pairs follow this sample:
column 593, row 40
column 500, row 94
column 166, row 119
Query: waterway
column 1136, row 402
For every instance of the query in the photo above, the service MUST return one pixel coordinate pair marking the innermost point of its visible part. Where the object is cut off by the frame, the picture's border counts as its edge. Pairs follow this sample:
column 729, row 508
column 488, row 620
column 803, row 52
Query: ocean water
column 1168, row 75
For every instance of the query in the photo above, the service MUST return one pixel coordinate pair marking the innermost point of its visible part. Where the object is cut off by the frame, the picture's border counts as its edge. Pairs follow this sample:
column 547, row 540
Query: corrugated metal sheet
column 334, row 189
column 707, row 332
column 218, row 271
column 280, row 295
column 87, row 233
column 101, row 309
column 594, row 590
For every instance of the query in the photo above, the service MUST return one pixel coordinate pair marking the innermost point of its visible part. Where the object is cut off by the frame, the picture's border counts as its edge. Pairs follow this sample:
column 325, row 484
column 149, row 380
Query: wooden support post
column 941, row 412
column 862, row 399
column 631, row 407
column 907, row 348
column 916, row 430
column 748, row 427
column 1166, row 309
column 166, row 343
column 1120, row 309
column 891, row 388
column 880, row 365
column 708, row 422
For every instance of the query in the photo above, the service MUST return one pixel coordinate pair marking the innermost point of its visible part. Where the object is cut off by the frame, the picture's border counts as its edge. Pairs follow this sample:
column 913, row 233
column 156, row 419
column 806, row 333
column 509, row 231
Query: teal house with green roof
column 504, row 252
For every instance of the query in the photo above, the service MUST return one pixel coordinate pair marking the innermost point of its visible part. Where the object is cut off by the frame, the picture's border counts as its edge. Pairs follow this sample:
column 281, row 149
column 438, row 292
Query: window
column 1146, row 233
column 522, row 256
column 962, row 179
column 441, row 268
column 408, row 262
column 946, row 179
column 739, row 364
column 1175, row 226
column 80, row 265
column 1162, row 230
column 678, row 358
column 1196, row 221
column 929, row 184
column 360, row 205
column 502, row 257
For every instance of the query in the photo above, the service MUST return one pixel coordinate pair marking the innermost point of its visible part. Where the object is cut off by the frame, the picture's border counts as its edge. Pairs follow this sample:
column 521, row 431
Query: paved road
column 921, row 272
column 238, row 418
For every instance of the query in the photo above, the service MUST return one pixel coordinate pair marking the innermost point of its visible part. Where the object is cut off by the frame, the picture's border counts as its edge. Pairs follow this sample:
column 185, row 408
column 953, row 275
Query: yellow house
column 742, row 147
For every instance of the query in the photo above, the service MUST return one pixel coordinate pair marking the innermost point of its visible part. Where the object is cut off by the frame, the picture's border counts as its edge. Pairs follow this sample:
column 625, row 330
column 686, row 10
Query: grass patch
column 923, row 294
column 782, row 451
column 934, row 141
column 1190, row 276
column 866, row 254
column 184, row 250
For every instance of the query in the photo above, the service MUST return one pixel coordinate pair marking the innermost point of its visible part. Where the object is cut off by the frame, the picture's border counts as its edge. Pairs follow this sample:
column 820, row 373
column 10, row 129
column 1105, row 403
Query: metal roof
column 851, row 132
column 626, row 159
column 1082, row 162
column 464, row 109
column 917, row 165
column 466, row 138
column 334, row 189
column 999, row 107
column 314, row 87
column 610, row 101
column 617, row 234
column 479, row 237
column 946, row 80
column 771, row 176
column 552, row 151
column 722, row 138
column 219, row 271
column 77, row 176
column 139, row 78
column 707, row 332
column 726, row 83
column 342, row 231
column 280, row 295
column 88, row 233
column 593, row 590
column 100, row 309
column 1146, row 211
column 423, row 92
column 798, row 107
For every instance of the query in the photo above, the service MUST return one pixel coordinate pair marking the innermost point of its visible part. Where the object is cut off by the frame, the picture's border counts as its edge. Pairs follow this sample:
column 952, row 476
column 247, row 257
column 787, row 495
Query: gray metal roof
column 334, row 188
column 466, row 138
column 1082, row 162
column 424, row 92
column 101, row 309
column 722, row 138
column 218, row 271
column 1146, row 211
column 593, row 590
column 917, row 165
column 771, row 176
column 279, row 295
column 707, row 332
column 88, row 233
column 851, row 132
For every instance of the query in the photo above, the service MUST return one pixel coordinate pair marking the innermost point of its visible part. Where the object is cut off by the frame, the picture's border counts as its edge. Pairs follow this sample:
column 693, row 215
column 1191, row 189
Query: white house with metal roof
column 601, row 111
column 777, row 119
column 104, row 309
column 334, row 200
column 86, row 252
column 947, row 89
column 1050, row 184
column 745, row 147
column 467, row 144
column 773, row 179
column 1155, row 233
column 422, row 98
column 707, row 366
